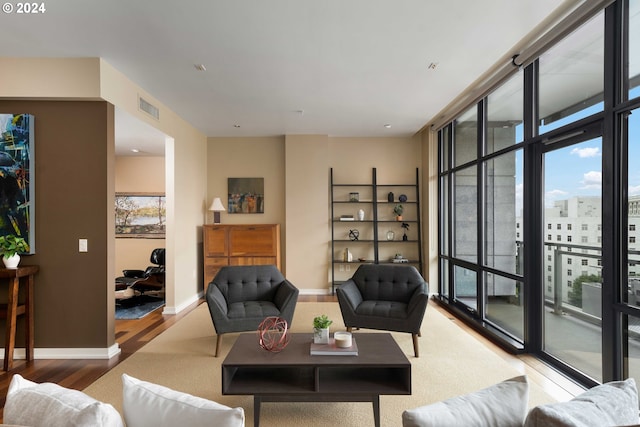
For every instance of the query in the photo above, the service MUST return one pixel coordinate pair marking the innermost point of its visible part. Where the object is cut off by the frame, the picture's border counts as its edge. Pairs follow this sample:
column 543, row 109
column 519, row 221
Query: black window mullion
column 533, row 202
column 481, row 296
column 612, row 201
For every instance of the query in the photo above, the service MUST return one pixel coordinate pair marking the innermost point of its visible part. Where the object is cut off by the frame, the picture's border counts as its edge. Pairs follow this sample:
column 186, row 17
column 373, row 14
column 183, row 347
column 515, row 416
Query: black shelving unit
column 372, row 245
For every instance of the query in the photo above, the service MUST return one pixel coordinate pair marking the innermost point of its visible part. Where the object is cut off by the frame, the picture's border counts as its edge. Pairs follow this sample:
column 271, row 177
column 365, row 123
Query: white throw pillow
column 150, row 405
column 610, row 404
column 51, row 405
column 503, row 404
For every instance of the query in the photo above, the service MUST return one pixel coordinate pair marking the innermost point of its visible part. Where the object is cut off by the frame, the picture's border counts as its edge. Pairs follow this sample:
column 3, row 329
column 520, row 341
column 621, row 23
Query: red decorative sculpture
column 273, row 334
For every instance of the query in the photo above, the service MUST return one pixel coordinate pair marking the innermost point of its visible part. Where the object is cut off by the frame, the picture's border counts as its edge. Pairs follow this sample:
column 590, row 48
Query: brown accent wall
column 74, row 199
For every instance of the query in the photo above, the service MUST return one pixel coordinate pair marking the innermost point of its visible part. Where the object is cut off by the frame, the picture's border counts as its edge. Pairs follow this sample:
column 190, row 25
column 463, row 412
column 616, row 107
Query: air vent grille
column 149, row 108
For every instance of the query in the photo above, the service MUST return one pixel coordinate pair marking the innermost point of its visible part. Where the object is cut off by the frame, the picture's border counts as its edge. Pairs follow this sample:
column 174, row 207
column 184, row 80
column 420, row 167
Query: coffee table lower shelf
column 295, row 376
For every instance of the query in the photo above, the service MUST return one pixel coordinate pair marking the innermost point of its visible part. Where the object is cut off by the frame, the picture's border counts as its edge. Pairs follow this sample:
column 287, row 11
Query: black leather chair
column 142, row 281
column 385, row 297
column 241, row 297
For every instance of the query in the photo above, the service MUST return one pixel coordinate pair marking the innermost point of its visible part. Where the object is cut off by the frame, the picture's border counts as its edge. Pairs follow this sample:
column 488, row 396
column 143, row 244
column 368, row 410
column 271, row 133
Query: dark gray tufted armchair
column 385, row 297
column 240, row 297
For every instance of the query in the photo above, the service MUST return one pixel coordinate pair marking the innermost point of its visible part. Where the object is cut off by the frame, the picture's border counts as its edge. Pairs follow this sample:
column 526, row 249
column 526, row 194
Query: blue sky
column 577, row 170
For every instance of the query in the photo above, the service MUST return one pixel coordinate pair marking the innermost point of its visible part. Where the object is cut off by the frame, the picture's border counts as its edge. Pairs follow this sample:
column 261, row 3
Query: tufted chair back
column 249, row 283
column 381, row 282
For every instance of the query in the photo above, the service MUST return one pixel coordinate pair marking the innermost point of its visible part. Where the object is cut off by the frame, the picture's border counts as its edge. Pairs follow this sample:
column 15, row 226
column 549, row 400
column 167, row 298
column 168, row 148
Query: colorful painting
column 246, row 195
column 141, row 215
column 17, row 178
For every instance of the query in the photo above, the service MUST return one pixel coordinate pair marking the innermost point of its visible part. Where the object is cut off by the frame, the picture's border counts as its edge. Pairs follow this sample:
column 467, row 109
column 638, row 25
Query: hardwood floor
column 131, row 335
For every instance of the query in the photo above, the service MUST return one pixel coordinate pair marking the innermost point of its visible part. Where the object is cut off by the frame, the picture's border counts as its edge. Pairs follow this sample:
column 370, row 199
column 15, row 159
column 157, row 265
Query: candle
column 343, row 339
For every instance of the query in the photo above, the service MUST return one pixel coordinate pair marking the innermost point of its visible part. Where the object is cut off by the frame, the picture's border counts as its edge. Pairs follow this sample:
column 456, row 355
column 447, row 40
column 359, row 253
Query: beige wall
column 307, row 211
column 296, row 172
column 430, row 207
column 135, row 174
column 50, row 78
column 247, row 158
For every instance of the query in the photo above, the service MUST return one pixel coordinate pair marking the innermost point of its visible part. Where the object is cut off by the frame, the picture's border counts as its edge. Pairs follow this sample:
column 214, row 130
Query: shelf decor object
column 354, row 197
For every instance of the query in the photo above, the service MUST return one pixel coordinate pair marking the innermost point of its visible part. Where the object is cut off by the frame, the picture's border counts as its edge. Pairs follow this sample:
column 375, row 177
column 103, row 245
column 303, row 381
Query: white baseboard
column 315, row 291
column 177, row 309
column 68, row 353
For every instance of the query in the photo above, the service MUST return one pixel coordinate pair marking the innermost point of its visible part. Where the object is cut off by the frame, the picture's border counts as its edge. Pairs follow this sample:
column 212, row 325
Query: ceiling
column 332, row 67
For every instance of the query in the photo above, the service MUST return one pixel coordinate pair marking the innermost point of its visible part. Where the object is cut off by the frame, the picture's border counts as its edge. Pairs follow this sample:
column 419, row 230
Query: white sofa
column 144, row 405
column 505, row 404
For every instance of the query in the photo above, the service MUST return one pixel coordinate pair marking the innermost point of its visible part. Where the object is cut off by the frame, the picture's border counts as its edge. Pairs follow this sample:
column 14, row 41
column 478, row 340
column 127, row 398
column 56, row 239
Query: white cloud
column 556, row 194
column 592, row 180
column 587, row 152
column 634, row 190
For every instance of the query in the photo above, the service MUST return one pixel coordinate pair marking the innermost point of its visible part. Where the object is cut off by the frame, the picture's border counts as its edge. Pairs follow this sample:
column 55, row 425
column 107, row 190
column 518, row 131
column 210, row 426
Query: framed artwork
column 246, row 195
column 17, row 177
column 140, row 215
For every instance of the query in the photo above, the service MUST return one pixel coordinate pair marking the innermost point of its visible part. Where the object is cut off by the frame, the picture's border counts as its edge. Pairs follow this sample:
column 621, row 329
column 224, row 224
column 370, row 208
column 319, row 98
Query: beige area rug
column 451, row 363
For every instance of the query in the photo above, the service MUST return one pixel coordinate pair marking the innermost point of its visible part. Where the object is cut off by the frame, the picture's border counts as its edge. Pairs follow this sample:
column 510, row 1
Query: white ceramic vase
column 321, row 336
column 361, row 215
column 12, row 261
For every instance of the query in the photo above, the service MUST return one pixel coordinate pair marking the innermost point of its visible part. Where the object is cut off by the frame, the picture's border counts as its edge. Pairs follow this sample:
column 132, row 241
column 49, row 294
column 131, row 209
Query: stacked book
column 332, row 349
column 347, row 218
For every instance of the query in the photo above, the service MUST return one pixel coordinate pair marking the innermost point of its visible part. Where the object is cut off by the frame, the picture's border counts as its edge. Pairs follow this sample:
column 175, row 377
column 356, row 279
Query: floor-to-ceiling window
column 540, row 201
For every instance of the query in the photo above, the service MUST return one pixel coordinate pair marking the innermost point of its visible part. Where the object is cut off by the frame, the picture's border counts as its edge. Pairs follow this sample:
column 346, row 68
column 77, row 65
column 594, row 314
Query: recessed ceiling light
column 236, row 126
column 200, row 67
column 135, row 150
column 388, row 126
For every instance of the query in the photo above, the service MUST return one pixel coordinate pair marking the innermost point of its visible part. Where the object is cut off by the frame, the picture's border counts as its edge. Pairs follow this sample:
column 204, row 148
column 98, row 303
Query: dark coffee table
column 294, row 376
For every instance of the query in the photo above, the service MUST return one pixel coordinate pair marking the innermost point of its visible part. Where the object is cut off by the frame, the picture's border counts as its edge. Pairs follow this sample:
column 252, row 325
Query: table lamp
column 216, row 207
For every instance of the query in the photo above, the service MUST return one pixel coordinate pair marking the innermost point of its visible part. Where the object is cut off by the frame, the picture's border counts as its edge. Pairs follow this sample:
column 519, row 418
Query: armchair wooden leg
column 349, row 328
column 218, row 342
column 415, row 345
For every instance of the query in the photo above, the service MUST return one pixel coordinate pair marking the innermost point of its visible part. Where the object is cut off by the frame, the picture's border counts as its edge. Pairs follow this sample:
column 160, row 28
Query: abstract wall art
column 246, row 195
column 17, row 177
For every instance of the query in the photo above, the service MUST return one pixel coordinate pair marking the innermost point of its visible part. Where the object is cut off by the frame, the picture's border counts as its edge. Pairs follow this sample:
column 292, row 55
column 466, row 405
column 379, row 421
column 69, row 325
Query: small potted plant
column 405, row 226
column 10, row 248
column 321, row 329
column 397, row 210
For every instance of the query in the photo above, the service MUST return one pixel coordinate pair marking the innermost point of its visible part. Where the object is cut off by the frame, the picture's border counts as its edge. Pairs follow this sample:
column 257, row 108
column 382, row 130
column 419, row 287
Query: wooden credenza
column 239, row 244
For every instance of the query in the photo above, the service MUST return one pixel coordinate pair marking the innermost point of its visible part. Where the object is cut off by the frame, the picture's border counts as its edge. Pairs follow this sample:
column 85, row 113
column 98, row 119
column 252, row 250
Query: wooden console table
column 12, row 309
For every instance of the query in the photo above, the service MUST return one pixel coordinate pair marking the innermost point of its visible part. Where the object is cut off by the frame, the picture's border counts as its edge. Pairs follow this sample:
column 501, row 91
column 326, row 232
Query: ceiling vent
column 148, row 108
